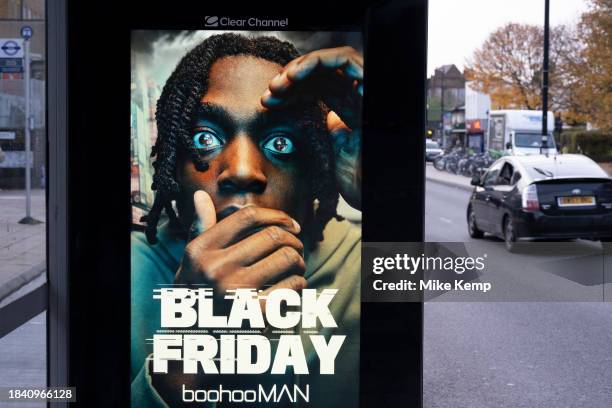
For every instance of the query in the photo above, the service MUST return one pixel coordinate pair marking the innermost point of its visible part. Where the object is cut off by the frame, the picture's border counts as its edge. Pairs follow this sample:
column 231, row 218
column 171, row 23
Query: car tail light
column 530, row 198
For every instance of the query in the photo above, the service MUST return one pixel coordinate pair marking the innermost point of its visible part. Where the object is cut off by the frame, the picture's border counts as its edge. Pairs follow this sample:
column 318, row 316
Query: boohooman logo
column 211, row 21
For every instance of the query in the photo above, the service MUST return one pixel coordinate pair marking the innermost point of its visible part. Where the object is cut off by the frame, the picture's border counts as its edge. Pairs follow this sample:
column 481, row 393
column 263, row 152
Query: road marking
column 445, row 220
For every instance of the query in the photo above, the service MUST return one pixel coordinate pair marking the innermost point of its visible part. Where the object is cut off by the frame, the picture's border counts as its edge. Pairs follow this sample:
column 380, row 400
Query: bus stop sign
column 26, row 32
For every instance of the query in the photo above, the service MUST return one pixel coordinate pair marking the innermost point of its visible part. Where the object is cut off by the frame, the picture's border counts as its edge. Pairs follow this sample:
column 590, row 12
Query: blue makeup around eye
column 206, row 140
column 279, row 145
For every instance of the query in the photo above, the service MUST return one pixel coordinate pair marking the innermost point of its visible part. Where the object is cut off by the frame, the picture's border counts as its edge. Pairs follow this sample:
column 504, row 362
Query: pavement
column 446, row 178
column 22, row 247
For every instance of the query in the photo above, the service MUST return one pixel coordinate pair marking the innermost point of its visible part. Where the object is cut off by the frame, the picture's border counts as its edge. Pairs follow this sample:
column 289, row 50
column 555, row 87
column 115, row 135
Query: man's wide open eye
column 279, row 144
column 206, row 140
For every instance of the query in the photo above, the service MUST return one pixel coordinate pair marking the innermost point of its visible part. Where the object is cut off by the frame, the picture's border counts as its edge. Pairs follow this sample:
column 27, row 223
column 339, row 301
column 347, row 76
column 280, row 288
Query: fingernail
column 296, row 225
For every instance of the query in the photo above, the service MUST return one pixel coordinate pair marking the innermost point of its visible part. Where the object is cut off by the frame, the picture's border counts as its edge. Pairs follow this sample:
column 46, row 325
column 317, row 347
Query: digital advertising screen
column 246, row 244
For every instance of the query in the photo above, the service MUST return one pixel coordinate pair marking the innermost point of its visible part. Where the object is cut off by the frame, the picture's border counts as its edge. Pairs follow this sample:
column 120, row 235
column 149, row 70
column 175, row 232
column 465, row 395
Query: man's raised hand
column 334, row 76
column 252, row 248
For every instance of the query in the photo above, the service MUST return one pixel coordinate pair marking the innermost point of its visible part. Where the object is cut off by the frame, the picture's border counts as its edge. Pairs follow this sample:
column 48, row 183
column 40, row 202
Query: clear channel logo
column 211, row 21
column 216, row 21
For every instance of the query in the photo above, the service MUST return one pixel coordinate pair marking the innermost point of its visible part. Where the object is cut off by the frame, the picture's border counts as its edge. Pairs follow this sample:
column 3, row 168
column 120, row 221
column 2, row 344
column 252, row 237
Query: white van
column 519, row 132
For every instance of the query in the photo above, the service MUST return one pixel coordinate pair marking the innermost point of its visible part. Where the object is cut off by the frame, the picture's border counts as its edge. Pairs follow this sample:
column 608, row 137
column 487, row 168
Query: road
column 517, row 354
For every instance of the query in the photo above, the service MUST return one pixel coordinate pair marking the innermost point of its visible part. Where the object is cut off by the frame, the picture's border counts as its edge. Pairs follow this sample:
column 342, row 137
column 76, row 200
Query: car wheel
column 510, row 234
column 472, row 227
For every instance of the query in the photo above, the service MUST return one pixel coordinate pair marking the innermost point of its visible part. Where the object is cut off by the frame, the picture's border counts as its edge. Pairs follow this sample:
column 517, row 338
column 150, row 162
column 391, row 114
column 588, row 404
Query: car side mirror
column 509, row 145
column 475, row 180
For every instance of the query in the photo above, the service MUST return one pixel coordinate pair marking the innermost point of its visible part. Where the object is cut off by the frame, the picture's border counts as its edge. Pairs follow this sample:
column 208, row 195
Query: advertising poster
column 246, row 229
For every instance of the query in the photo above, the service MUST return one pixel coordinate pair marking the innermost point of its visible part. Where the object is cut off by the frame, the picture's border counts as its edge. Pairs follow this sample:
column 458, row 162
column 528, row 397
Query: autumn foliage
column 593, row 91
column 508, row 66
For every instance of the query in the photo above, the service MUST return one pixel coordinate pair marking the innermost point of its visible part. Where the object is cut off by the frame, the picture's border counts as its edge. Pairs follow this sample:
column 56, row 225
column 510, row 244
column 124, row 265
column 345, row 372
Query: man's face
column 254, row 154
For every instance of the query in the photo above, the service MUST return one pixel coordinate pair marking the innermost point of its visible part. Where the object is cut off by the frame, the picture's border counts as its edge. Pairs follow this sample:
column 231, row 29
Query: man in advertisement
column 255, row 145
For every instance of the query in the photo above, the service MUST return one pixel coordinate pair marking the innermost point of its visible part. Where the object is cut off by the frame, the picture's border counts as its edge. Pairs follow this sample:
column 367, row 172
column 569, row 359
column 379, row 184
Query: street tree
column 508, row 66
column 592, row 67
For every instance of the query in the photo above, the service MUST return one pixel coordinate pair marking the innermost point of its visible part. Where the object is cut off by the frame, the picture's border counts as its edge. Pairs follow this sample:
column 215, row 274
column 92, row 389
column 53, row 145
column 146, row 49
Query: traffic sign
column 11, row 48
column 26, row 32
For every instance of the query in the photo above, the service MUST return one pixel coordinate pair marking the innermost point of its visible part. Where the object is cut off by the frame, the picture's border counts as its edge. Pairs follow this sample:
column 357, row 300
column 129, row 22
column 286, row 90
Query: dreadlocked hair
column 178, row 101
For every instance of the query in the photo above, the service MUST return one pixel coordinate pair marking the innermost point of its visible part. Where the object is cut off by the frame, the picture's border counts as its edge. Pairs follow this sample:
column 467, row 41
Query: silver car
column 432, row 150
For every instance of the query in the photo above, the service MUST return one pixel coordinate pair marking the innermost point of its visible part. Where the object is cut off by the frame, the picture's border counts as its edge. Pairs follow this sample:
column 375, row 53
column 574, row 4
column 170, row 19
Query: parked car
column 432, row 150
column 541, row 197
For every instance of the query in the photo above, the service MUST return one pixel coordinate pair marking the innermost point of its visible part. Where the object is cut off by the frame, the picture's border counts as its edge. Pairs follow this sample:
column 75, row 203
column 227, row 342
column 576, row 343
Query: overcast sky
column 457, row 28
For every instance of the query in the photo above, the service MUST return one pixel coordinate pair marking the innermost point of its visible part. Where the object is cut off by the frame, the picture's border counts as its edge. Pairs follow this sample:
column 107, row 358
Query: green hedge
column 596, row 144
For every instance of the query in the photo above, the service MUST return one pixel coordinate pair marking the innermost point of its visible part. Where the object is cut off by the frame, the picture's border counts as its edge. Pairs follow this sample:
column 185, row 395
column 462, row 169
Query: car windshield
column 432, row 145
column 531, row 140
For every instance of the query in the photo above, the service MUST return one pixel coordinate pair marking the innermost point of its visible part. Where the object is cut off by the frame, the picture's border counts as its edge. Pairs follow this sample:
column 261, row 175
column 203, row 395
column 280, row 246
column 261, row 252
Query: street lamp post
column 544, row 144
column 442, row 106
